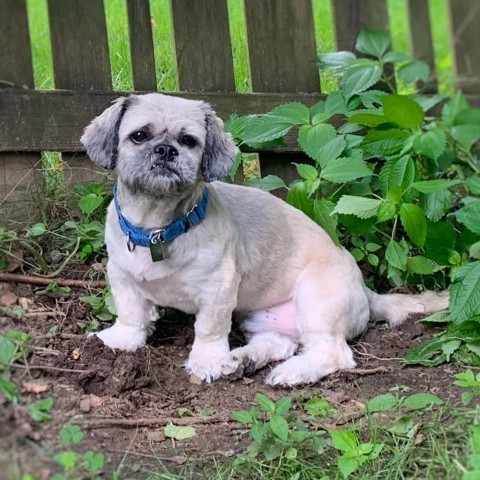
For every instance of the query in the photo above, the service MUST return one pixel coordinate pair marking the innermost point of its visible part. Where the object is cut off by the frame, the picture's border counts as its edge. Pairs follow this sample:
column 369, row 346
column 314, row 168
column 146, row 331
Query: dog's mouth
column 163, row 169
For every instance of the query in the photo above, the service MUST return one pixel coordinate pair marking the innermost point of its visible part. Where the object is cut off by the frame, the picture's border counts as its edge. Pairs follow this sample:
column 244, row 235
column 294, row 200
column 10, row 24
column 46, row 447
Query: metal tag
column 156, row 251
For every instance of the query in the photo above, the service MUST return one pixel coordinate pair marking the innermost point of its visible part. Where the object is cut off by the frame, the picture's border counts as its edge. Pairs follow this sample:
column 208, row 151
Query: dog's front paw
column 123, row 337
column 294, row 371
column 205, row 360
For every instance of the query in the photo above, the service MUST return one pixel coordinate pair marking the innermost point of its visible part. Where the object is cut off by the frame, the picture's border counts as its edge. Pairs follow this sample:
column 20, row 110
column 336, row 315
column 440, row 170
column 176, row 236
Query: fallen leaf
column 8, row 298
column 25, row 302
column 34, row 386
column 95, row 400
column 195, row 380
column 15, row 259
column 178, row 459
column 179, row 433
column 419, row 438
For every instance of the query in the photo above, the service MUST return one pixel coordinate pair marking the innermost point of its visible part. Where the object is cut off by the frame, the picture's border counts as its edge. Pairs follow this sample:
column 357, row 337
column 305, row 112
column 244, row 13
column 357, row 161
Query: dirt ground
column 123, row 400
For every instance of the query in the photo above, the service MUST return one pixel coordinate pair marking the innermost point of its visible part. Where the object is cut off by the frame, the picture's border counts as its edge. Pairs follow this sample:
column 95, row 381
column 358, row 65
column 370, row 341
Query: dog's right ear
column 100, row 138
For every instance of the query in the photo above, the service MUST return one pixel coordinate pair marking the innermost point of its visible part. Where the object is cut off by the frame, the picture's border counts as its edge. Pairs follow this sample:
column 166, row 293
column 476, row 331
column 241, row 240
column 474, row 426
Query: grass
column 116, row 20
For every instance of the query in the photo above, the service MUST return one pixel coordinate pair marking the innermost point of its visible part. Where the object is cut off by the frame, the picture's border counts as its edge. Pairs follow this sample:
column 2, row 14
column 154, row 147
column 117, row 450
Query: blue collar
column 148, row 237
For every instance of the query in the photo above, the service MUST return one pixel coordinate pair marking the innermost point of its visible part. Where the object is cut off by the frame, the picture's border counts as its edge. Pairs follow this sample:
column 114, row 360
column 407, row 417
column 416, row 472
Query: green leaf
column 66, row 459
column 402, row 110
column 71, row 433
column 39, row 410
column 455, row 105
column 368, row 117
column 322, row 210
column 466, row 135
column 372, row 42
column 7, row 350
column 465, row 292
column 414, row 222
column 420, row 401
column 308, row 172
column 268, row 183
column 359, row 206
column 342, row 170
column 469, row 215
column 358, row 77
column 384, row 142
column 431, row 143
column 474, row 250
column 335, row 60
column 396, row 254
column 94, row 460
column 331, row 151
column 381, row 403
column 415, row 70
column 264, row 128
column 396, row 57
column 386, row 211
column 297, row 196
column 36, row 230
column 295, row 112
column 265, row 403
column 244, row 416
column 279, row 427
column 318, row 406
column 179, row 433
column 347, row 465
column 420, row 265
column 344, row 440
column 283, row 405
column 399, row 171
column 335, row 104
column 89, row 203
column 473, row 184
column 313, row 138
column 449, row 348
column 436, row 204
column 429, row 186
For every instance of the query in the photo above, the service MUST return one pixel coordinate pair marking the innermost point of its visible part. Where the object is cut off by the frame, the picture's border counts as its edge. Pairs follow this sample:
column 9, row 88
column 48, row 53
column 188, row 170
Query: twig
column 152, row 422
column 47, row 313
column 45, row 367
column 366, row 371
column 63, row 282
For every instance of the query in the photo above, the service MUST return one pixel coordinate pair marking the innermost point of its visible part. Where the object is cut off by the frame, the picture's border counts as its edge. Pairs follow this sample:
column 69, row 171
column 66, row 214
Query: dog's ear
column 220, row 151
column 100, row 138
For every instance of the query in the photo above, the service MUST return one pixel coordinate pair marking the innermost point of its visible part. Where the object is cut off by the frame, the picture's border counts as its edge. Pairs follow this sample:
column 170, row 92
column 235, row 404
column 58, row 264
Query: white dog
column 302, row 296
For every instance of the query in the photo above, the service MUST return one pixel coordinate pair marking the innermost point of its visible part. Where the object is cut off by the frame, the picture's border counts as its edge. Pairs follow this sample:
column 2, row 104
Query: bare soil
column 122, row 400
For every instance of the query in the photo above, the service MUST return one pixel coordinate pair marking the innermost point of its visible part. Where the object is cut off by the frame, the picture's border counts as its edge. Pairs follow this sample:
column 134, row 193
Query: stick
column 366, row 371
column 152, row 422
column 45, row 367
column 63, row 282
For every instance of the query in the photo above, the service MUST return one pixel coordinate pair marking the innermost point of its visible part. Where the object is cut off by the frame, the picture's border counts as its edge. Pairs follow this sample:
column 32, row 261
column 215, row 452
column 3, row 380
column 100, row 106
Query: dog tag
column 156, row 251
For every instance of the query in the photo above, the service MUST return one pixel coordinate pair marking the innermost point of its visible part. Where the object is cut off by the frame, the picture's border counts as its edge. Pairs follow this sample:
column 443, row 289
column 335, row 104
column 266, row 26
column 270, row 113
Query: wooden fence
column 281, row 49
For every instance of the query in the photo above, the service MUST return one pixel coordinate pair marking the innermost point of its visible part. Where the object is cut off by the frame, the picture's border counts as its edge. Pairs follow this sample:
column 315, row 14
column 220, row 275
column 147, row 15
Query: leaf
column 322, row 210
column 335, row 60
column 344, row 440
column 415, row 70
column 67, row 459
column 399, row 171
column 268, row 183
column 465, row 292
column 358, row 77
column 436, row 204
column 466, row 135
column 7, row 350
column 347, row 465
column 342, row 170
column 295, row 112
column 429, row 186
column 424, row 353
column 420, row 401
column 449, row 348
column 396, row 254
column 308, row 172
column 39, row 410
column 331, row 151
column 265, row 403
column 431, row 143
column 372, row 42
column 381, row 403
column 396, row 57
column 402, row 426
column 455, row 105
column 335, row 104
column 71, row 433
column 89, row 203
column 386, row 211
column 179, row 433
column 402, row 110
column 369, row 118
column 384, row 142
column 243, row 416
column 414, row 222
column 469, row 215
column 264, row 128
column 283, row 405
column 420, row 265
column 473, row 184
column 94, row 460
column 36, row 230
column 313, row 138
column 317, row 406
column 359, row 206
column 298, row 197
column 279, row 427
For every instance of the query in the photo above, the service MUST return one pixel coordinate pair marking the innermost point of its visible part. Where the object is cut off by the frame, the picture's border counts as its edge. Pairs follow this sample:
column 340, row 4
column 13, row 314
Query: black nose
column 166, row 152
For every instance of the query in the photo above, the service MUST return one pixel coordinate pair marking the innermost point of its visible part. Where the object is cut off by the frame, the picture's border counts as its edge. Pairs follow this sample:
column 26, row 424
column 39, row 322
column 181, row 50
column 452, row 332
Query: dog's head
column 160, row 144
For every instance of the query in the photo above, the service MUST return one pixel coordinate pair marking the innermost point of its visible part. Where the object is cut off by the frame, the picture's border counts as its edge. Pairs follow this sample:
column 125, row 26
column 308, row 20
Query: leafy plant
column 393, row 177
column 102, row 305
column 40, row 410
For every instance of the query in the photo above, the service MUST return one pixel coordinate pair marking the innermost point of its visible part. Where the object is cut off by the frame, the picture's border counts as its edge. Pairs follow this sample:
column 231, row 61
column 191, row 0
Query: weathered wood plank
column 464, row 18
column 282, row 51
column 15, row 55
column 350, row 16
column 202, row 45
column 421, row 43
column 79, row 44
column 54, row 120
column 141, row 45
column 281, row 46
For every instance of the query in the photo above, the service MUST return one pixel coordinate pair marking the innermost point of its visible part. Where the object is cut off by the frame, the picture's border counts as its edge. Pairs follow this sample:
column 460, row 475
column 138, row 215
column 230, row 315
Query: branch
column 63, row 282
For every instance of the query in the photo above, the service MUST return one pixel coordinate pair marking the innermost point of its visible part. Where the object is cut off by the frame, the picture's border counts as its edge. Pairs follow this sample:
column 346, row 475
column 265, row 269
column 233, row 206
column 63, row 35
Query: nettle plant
column 393, row 177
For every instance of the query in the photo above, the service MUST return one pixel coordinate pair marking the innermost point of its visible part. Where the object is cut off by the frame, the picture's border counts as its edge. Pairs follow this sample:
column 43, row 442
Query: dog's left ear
column 219, row 152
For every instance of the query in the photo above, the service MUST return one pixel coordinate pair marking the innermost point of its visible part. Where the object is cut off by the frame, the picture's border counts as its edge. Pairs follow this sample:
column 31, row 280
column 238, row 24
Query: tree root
column 63, row 282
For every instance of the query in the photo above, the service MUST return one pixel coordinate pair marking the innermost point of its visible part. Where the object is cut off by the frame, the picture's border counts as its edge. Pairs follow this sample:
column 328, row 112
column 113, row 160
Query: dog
column 177, row 237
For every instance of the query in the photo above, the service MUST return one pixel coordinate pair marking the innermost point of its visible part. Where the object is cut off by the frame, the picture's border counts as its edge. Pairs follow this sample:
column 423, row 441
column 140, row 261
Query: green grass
column 116, row 19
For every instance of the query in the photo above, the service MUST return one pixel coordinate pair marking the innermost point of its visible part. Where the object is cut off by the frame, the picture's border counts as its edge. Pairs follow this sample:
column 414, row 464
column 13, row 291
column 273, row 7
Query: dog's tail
column 396, row 307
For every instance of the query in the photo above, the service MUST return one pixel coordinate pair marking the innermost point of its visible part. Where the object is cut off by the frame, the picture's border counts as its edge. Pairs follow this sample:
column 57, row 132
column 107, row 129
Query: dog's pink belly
column 281, row 318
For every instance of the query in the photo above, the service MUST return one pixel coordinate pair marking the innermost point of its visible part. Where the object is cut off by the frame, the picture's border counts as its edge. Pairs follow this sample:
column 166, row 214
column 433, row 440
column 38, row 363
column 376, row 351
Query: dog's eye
column 188, row 141
column 138, row 137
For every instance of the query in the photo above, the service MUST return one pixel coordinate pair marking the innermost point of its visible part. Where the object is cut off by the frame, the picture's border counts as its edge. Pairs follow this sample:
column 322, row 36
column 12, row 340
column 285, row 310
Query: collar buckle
column 192, row 217
column 130, row 245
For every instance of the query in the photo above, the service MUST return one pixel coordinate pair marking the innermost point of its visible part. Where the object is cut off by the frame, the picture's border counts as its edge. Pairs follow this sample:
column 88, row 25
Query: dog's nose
column 166, row 152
